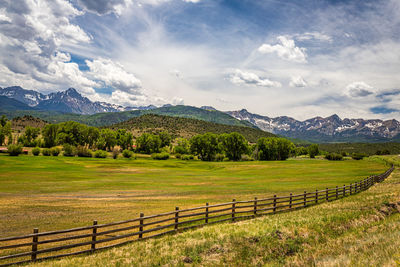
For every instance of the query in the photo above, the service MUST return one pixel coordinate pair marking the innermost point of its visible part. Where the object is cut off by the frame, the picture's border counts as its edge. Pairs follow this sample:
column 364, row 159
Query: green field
column 360, row 230
column 60, row 192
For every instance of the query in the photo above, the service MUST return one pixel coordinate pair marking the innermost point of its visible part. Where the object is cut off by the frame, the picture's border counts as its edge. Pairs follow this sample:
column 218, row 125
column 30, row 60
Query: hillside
column 10, row 104
column 103, row 119
column 20, row 123
column 367, row 148
column 185, row 127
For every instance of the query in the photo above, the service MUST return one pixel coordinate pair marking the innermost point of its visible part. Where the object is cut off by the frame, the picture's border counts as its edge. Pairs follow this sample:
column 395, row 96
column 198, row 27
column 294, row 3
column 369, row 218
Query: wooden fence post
column 337, row 192
column 94, row 233
column 290, row 201
column 316, row 196
column 34, row 244
column 327, row 195
column 255, row 206
column 206, row 212
column 274, row 204
column 141, row 226
column 351, row 187
column 233, row 209
column 305, row 199
column 176, row 217
column 344, row 190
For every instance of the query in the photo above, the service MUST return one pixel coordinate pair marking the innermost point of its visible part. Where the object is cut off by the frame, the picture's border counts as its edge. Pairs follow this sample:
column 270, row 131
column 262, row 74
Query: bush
column 178, row 155
column 219, row 157
column 69, row 151
column 344, row 154
column 14, row 150
column 36, row 151
column 127, row 154
column 358, row 156
column 313, row 150
column 160, row 156
column 46, row 152
column 246, row 158
column 82, row 151
column 334, row 156
column 100, row 154
column 187, row 157
column 55, row 151
column 115, row 153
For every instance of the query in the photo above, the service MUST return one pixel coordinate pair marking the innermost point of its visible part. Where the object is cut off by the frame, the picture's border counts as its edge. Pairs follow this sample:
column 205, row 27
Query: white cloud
column 297, row 81
column 240, row 77
column 102, row 7
column 286, row 50
column 359, row 89
column 113, row 74
column 313, row 36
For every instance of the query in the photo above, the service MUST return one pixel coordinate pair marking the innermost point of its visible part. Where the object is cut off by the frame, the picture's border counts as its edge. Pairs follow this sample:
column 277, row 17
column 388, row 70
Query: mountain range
column 71, row 105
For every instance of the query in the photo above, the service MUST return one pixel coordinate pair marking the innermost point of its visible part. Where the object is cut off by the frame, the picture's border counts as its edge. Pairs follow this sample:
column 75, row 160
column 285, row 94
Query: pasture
column 61, row 192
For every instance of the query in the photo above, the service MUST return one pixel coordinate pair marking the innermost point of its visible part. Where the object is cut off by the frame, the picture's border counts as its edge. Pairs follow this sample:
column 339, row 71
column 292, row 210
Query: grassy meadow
column 61, row 192
column 360, row 230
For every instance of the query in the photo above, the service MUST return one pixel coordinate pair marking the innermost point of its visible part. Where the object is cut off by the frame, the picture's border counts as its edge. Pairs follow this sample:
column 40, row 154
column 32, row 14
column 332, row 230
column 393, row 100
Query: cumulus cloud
column 113, row 74
column 102, row 7
column 359, row 89
column 286, row 49
column 297, row 81
column 240, row 77
column 31, row 40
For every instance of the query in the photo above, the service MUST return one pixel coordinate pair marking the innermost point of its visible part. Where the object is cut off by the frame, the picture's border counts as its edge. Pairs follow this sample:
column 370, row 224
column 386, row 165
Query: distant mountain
column 329, row 129
column 208, row 108
column 10, row 104
column 69, row 101
column 184, row 127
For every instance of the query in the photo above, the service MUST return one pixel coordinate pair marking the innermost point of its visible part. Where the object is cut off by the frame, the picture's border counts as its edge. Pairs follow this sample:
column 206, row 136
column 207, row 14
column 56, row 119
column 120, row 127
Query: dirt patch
column 390, row 208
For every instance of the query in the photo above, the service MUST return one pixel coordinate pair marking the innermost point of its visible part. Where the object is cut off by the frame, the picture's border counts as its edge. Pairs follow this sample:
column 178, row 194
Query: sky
column 294, row 58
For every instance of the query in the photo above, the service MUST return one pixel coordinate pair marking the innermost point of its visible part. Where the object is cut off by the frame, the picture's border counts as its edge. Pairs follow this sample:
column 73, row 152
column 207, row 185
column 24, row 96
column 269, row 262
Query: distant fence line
column 30, row 248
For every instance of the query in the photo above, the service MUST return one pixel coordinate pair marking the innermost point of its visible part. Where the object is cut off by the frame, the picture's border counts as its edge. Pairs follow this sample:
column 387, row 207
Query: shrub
column 115, row 153
column 344, row 154
column 358, row 156
column 100, row 154
column 46, row 152
column 69, row 150
column 178, row 155
column 55, row 151
column 127, row 153
column 160, row 156
column 313, row 150
column 14, row 150
column 334, row 156
column 82, row 151
column 187, row 157
column 246, row 158
column 219, row 157
column 36, row 151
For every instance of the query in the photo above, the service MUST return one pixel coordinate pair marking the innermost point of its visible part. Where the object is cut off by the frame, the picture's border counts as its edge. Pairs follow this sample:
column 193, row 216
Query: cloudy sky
column 295, row 58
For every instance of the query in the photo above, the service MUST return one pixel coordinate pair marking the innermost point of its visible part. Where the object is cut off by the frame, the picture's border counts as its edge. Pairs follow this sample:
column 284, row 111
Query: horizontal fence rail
column 56, row 244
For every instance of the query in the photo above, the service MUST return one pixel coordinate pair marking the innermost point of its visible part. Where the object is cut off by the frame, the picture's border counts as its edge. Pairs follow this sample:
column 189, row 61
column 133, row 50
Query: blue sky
column 296, row 58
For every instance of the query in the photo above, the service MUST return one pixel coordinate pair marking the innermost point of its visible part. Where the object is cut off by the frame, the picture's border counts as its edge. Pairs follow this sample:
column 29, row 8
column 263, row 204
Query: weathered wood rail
column 55, row 244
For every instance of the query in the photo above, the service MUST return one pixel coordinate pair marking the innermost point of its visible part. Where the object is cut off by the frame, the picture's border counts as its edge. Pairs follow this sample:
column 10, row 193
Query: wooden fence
column 55, row 244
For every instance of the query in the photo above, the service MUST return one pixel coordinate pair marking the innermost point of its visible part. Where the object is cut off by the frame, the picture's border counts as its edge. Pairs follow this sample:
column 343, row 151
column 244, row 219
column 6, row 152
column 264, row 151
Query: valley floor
column 360, row 230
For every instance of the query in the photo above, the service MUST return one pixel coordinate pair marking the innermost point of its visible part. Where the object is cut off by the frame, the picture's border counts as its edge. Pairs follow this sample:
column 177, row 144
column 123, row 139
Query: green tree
column 148, row 143
column 49, row 133
column 5, row 130
column 124, row 139
column 3, row 120
column 28, row 138
column 92, row 136
column 183, row 146
column 73, row 133
column 313, row 150
column 166, row 139
column 274, row 148
column 206, row 146
column 107, row 139
column 234, row 145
